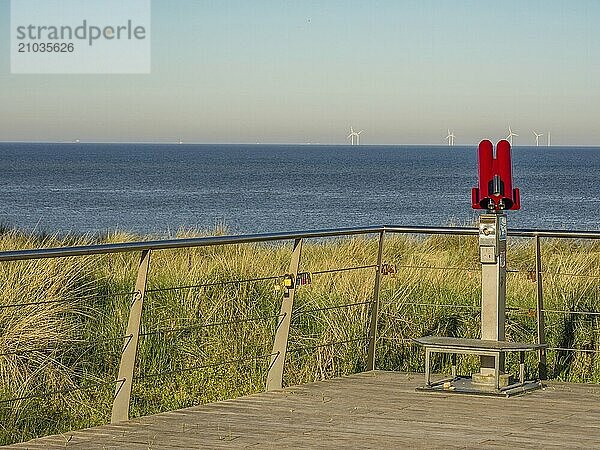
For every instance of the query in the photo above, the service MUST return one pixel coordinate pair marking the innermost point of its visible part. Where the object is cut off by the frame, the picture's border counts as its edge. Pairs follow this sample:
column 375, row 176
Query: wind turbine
column 450, row 138
column 537, row 138
column 548, row 139
column 354, row 134
column 510, row 135
column 351, row 135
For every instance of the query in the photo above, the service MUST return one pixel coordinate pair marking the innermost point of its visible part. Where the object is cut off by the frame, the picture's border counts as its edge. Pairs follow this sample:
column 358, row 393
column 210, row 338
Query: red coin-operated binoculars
column 495, row 191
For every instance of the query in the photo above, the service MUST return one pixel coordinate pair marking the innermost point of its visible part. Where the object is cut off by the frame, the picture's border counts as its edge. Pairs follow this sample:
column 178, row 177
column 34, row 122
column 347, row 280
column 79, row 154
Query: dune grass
column 69, row 347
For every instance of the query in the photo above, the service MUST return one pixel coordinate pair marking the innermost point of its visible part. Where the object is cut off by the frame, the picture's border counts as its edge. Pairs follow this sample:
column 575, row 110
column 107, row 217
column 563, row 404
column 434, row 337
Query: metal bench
column 454, row 346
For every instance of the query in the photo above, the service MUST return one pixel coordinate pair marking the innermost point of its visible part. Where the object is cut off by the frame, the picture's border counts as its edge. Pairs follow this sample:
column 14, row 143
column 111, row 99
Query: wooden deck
column 369, row 410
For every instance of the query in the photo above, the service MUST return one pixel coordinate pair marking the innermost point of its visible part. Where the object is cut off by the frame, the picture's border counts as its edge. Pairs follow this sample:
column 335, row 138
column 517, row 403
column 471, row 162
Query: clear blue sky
column 304, row 71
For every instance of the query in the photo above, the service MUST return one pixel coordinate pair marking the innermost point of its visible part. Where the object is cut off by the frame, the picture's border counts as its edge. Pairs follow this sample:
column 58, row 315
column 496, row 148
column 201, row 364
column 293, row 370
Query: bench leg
column 497, row 370
column 522, row 367
column 453, row 365
column 427, row 375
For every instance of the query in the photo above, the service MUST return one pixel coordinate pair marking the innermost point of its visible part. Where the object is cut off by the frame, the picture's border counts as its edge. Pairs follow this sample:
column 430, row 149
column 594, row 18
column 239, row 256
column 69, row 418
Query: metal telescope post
column 496, row 195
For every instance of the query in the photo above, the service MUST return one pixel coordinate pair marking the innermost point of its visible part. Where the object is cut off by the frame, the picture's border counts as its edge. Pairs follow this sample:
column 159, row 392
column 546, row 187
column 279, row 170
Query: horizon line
column 283, row 143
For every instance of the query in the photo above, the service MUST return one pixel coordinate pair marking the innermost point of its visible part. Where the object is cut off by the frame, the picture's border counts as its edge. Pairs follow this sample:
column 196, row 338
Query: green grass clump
column 197, row 317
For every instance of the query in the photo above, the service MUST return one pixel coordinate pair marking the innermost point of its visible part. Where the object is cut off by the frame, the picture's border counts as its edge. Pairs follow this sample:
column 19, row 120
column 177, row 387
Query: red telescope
column 495, row 191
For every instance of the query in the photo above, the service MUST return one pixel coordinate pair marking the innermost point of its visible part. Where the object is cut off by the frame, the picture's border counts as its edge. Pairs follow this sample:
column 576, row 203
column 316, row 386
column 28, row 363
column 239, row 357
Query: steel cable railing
column 420, row 267
column 560, row 311
column 66, row 300
column 300, row 312
column 508, row 308
column 43, row 302
column 343, row 269
column 141, row 291
column 529, row 311
column 437, row 305
column 326, row 344
column 209, row 325
column 201, row 367
column 212, row 284
column 63, row 346
column 566, row 274
column 61, row 391
column 397, row 339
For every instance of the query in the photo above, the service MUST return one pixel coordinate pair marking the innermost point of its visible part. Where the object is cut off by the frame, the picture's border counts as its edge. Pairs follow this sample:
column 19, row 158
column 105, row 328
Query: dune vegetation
column 210, row 315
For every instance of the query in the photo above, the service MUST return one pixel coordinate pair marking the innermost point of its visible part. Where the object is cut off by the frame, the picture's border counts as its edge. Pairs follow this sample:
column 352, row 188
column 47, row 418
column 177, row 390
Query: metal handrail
column 459, row 231
column 572, row 234
column 61, row 252
column 275, row 376
column 166, row 244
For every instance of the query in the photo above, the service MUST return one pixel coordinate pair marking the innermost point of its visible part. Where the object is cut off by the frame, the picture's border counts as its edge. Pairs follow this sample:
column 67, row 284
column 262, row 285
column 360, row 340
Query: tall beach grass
column 197, row 317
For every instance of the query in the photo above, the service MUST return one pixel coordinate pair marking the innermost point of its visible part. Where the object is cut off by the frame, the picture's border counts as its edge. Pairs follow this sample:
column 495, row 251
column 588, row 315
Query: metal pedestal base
column 464, row 385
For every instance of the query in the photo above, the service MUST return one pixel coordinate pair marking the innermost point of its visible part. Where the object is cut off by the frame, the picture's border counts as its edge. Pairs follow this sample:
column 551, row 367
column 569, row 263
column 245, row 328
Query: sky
column 284, row 71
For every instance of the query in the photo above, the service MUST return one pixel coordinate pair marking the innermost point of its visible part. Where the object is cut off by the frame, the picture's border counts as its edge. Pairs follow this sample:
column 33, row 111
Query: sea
column 161, row 189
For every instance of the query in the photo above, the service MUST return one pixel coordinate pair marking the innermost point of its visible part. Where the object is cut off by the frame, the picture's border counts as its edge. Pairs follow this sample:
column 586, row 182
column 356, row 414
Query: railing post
column 541, row 326
column 375, row 308
column 275, row 375
column 120, row 409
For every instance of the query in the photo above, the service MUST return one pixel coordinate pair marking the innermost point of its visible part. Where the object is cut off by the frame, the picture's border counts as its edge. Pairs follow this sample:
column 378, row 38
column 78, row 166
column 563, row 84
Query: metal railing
column 277, row 357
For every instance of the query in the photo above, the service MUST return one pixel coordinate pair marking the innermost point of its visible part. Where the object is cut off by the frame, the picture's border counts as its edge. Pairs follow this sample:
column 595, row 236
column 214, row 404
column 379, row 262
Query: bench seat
column 481, row 347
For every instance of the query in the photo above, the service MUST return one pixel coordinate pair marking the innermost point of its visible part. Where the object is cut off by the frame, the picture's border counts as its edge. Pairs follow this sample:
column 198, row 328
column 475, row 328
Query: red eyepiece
column 495, row 191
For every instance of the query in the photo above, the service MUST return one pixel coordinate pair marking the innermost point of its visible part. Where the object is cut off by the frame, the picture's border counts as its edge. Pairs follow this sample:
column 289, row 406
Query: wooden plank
column 375, row 409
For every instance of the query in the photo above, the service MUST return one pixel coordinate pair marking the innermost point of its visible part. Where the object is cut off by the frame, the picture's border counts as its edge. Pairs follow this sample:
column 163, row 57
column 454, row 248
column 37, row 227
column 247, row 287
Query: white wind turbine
column 354, row 134
column 548, row 139
column 450, row 138
column 351, row 135
column 510, row 135
column 537, row 138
